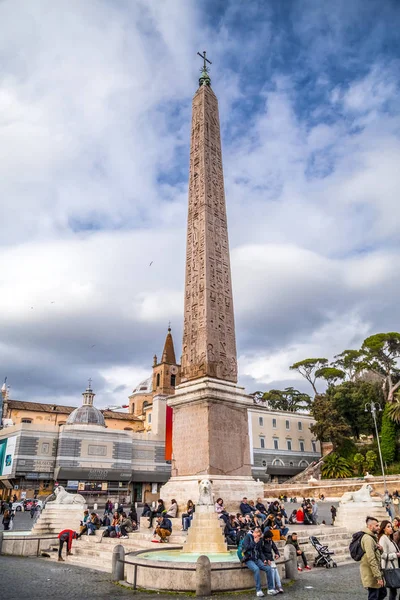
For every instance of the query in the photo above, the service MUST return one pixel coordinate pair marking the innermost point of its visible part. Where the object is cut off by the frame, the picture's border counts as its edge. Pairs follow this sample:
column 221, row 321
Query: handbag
column 392, row 577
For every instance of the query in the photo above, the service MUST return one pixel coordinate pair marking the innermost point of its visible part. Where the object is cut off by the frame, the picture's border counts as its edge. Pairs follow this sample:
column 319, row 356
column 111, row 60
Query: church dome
column 86, row 415
column 144, row 387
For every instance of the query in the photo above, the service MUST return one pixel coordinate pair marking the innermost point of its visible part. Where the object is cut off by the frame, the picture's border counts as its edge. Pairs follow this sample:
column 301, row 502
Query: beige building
column 282, row 442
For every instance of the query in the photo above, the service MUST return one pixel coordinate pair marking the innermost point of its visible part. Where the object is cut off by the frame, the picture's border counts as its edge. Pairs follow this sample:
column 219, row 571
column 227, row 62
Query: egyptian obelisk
column 210, row 419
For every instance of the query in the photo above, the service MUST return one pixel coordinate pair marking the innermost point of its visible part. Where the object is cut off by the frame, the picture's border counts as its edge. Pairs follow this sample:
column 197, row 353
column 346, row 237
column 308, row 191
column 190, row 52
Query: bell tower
column 166, row 373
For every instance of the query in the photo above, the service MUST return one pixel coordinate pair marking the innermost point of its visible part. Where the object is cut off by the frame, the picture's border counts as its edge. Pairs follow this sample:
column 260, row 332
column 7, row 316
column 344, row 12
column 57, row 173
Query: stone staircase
column 95, row 552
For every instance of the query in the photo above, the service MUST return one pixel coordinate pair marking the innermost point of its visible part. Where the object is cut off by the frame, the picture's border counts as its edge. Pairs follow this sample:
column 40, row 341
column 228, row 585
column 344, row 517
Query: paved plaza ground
column 36, row 579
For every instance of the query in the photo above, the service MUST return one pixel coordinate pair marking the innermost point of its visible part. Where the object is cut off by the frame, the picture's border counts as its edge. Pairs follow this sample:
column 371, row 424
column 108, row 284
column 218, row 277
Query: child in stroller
column 324, row 555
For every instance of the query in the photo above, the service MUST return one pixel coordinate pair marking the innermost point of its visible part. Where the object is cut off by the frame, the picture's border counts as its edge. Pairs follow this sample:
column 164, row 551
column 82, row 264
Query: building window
column 303, row 463
column 45, row 448
column 301, row 446
column 287, row 424
column 26, row 420
column 300, row 426
column 173, row 380
column 261, row 421
column 128, row 429
column 158, row 380
column 262, row 442
column 314, row 446
column 291, row 464
column 274, row 423
column 264, row 463
column 276, row 444
column 149, row 418
column 289, row 444
column 145, row 403
column 279, row 462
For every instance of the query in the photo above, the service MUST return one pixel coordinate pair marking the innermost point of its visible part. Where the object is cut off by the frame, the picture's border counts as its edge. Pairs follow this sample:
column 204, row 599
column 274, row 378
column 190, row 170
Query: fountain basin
column 174, row 570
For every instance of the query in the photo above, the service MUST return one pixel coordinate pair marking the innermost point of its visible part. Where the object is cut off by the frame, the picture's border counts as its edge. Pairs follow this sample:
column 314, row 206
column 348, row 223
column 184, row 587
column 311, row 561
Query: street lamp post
column 373, row 407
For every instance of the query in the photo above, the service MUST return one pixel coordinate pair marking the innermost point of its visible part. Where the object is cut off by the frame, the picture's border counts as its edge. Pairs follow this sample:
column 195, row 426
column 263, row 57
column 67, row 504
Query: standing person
column 33, row 508
column 66, row 536
column 271, row 553
column 333, row 513
column 390, row 551
column 15, row 498
column 293, row 541
column 370, row 564
column 255, row 560
column 6, row 519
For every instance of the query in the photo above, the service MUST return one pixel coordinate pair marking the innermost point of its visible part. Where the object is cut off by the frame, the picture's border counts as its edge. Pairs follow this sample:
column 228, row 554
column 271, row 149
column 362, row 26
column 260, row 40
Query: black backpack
column 356, row 551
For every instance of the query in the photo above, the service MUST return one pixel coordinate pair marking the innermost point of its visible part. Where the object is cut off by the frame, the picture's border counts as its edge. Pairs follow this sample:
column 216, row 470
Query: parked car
column 26, row 504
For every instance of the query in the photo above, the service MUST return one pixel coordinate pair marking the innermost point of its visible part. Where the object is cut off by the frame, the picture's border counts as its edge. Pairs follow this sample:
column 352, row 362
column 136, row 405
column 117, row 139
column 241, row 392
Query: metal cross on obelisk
column 203, row 56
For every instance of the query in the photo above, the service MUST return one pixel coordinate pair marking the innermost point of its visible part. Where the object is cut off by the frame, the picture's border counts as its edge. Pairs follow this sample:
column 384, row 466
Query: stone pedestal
column 205, row 533
column 56, row 517
column 211, row 440
column 210, row 429
column 230, row 489
column 352, row 515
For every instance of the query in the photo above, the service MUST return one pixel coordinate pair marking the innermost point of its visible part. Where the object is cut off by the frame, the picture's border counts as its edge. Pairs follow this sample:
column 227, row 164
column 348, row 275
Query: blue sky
column 95, row 106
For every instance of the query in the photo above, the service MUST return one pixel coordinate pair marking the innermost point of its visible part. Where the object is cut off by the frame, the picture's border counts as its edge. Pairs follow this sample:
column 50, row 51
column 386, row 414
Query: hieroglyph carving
column 209, row 346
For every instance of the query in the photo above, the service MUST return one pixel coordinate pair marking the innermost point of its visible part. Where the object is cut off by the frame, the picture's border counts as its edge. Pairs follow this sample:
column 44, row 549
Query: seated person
column 260, row 506
column 279, row 524
column 188, row 515
column 220, row 510
column 245, row 507
column 115, row 524
column 259, row 518
column 300, row 516
column 230, row 531
column 83, row 528
column 292, row 518
column 146, row 510
column 160, row 508
column 163, row 528
column 133, row 514
column 106, row 520
column 273, row 508
column 133, row 517
column 93, row 523
column 126, row 526
column 269, row 521
column 292, row 540
column 173, row 510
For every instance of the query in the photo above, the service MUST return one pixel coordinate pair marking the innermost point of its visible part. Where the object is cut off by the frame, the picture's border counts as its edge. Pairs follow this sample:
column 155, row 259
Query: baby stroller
column 324, row 555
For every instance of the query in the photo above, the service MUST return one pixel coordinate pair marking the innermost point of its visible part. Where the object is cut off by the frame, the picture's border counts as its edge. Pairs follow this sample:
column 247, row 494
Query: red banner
column 168, row 434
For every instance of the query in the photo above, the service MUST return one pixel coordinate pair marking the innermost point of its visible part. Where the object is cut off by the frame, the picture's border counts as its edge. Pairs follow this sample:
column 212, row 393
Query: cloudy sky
column 95, row 101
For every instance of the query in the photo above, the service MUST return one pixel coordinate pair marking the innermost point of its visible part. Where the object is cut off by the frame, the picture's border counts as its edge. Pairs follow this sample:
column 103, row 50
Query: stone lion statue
column 205, row 492
column 64, row 497
column 361, row 495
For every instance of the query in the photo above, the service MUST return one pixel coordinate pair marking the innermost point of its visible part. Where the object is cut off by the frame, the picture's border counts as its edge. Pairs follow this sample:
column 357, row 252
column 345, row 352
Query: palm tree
column 336, row 467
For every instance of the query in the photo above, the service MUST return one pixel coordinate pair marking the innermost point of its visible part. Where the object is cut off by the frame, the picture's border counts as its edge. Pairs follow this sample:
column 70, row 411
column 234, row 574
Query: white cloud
column 94, row 127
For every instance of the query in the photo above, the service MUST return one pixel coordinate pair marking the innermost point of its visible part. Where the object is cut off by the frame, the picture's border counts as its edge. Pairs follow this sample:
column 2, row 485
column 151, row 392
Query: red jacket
column 67, row 535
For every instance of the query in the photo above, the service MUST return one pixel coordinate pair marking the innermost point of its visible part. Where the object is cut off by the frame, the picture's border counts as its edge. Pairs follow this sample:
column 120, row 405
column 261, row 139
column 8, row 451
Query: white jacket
column 389, row 553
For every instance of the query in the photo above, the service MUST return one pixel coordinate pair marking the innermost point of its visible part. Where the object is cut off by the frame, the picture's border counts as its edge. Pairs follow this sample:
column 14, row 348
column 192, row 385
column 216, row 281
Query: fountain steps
column 95, row 552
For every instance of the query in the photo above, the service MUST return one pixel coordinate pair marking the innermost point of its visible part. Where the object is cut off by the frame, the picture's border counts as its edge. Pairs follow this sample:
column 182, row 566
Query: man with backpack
column 252, row 556
column 365, row 548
